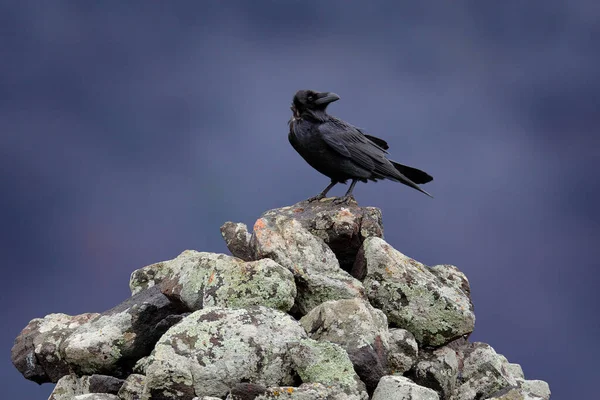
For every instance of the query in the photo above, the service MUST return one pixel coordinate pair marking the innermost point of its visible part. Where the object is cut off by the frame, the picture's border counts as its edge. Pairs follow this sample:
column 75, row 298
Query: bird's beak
column 326, row 98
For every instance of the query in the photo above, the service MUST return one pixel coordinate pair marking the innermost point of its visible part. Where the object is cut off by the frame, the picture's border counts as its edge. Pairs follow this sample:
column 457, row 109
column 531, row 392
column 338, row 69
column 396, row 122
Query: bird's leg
column 348, row 196
column 323, row 193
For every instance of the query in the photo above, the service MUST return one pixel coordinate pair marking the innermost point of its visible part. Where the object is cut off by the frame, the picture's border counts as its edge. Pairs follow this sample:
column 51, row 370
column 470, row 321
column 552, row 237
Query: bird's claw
column 315, row 198
column 344, row 199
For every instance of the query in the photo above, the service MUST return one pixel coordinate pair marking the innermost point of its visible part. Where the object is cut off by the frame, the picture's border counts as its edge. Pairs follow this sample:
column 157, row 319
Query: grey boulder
column 112, row 343
column 213, row 349
column 132, row 388
column 412, row 296
column 359, row 328
column 314, row 265
column 395, row 387
column 483, row 372
column 201, row 279
column 325, row 363
column 36, row 351
column 403, row 350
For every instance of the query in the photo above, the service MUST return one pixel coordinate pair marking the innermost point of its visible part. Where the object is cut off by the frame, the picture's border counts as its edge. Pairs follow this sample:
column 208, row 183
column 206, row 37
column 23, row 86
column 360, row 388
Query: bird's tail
column 415, row 175
column 411, row 176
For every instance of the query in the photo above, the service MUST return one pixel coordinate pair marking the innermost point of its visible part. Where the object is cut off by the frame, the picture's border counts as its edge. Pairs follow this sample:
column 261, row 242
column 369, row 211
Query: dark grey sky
column 130, row 131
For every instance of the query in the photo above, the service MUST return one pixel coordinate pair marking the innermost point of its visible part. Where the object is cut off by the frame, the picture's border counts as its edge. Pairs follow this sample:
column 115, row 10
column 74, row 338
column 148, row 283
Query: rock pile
column 313, row 304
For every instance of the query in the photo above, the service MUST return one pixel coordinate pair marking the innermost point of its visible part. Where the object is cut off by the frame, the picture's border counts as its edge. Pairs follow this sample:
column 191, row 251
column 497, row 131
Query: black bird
column 342, row 151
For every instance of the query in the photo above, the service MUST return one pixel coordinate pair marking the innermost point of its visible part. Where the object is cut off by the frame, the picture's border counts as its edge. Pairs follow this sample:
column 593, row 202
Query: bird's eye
column 311, row 98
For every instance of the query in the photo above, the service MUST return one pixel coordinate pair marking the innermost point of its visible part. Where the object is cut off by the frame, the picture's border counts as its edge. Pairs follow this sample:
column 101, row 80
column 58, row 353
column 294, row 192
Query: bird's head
column 309, row 100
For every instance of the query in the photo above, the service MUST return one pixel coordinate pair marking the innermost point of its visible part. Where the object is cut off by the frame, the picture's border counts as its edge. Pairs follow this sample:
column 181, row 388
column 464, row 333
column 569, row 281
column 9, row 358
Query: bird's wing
column 350, row 142
column 379, row 142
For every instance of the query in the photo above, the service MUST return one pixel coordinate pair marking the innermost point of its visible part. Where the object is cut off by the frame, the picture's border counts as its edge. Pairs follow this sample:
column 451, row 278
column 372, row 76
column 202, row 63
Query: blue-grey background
column 130, row 131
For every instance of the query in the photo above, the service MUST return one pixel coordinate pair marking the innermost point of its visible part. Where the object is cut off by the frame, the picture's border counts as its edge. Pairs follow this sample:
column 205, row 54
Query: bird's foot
column 344, row 199
column 316, row 198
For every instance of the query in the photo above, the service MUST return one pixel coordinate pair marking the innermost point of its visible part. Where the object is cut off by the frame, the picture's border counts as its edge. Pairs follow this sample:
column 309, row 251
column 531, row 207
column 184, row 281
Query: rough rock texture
column 325, row 363
column 403, row 350
column 208, row 326
column 113, row 342
column 359, row 328
column 213, row 349
column 200, row 279
column 314, row 265
column 483, row 372
column 69, row 386
column 105, row 384
column 132, row 388
column 437, row 369
column 237, row 239
column 306, row 391
column 413, row 297
column 342, row 228
column 394, row 387
column 36, row 350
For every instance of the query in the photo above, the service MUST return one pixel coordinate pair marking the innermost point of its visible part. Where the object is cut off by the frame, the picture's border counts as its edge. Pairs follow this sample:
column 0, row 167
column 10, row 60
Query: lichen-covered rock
column 325, row 363
column 96, row 396
column 537, row 390
column 113, row 342
column 515, row 370
column 413, row 297
column 200, row 279
column 36, row 351
column 213, row 349
column 132, row 388
column 437, row 369
column 141, row 365
column 154, row 274
column 395, row 387
column 237, row 238
column 359, row 328
column 403, row 350
column 306, row 391
column 315, row 267
column 483, row 372
column 452, row 276
column 69, row 386
column 342, row 228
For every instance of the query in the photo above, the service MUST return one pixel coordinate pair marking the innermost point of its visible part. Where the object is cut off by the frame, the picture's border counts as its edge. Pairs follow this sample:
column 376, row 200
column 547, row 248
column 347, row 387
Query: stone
column 306, row 391
column 105, row 384
column 413, row 297
column 325, row 363
column 342, row 228
column 516, row 371
column 483, row 372
column 70, row 386
column 314, row 265
column 403, row 350
column 437, row 369
column 237, row 239
column 96, row 396
column 36, row 351
column 141, row 365
column 132, row 388
column 201, row 279
column 536, row 389
column 359, row 328
column 113, row 342
column 213, row 349
column 395, row 387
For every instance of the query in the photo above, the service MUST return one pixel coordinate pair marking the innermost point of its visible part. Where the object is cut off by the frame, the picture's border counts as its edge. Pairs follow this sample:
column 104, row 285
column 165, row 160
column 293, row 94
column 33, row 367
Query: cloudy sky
column 130, row 131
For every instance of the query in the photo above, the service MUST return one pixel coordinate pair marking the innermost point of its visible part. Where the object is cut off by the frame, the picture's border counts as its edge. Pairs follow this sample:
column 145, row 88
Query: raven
column 342, row 151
